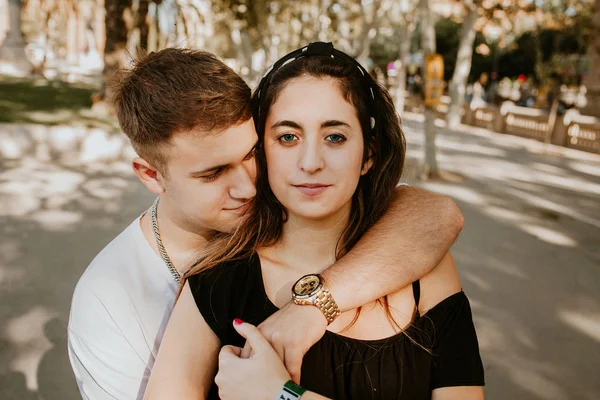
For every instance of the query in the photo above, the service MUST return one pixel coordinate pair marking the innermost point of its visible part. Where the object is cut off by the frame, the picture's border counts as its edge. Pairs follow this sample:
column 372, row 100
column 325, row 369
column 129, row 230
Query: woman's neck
column 309, row 245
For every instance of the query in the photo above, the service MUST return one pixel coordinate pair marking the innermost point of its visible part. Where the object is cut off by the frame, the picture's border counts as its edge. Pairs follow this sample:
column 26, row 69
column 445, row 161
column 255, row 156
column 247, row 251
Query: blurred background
column 500, row 102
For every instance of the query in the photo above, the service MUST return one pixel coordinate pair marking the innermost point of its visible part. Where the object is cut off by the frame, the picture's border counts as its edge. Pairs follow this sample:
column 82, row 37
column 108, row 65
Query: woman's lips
column 312, row 189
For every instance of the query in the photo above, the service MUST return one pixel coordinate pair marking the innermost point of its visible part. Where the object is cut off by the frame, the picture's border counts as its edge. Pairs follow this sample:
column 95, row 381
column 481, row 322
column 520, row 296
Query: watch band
column 321, row 298
column 325, row 302
column 290, row 391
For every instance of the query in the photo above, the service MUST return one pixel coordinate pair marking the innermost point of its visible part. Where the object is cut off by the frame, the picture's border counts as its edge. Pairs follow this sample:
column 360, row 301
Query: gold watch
column 311, row 290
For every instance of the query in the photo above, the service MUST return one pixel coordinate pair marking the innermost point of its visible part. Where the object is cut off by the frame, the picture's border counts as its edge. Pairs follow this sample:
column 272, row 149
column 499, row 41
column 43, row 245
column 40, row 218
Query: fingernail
column 237, row 321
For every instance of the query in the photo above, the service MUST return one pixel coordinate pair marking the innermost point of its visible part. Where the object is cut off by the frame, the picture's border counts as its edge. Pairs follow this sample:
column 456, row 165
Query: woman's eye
column 287, row 138
column 335, row 138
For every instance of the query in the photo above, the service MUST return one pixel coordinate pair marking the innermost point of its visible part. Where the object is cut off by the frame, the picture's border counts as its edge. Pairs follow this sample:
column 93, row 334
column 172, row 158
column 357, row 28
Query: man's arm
column 406, row 244
column 403, row 246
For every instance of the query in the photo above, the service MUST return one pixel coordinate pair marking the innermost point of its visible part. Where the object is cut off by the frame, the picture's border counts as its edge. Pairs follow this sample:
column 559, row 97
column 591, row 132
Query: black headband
column 320, row 49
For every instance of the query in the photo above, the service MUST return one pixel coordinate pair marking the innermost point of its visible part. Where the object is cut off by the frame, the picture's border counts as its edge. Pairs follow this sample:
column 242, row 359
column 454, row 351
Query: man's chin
column 230, row 224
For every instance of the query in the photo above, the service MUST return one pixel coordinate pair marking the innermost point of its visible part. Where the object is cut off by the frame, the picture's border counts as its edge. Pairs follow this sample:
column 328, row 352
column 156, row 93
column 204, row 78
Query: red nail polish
column 237, row 321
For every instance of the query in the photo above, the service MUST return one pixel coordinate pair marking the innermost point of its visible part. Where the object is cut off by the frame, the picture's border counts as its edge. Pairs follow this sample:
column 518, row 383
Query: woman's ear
column 367, row 164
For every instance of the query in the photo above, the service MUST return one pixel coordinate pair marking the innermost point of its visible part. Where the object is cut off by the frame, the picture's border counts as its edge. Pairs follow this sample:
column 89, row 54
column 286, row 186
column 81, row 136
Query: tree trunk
column 400, row 95
column 142, row 23
column 430, row 167
column 13, row 60
column 364, row 50
column 592, row 80
column 115, row 48
column 457, row 87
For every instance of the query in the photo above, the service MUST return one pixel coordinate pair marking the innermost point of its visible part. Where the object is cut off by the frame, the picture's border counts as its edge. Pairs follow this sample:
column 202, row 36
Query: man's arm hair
column 403, row 246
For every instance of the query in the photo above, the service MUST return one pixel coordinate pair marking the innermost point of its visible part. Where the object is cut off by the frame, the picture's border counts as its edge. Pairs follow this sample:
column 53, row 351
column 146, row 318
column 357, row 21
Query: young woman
column 330, row 153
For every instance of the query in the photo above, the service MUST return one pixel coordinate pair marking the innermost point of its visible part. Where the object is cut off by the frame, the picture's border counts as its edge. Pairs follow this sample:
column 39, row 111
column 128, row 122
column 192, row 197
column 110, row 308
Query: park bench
column 483, row 117
column 580, row 131
column 524, row 121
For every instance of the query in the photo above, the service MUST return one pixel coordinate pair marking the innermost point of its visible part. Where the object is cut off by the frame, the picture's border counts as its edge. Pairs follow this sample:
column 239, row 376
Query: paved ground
column 528, row 256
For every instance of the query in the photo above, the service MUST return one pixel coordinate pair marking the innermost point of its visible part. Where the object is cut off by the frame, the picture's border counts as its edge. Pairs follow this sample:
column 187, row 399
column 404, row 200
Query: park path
column 529, row 257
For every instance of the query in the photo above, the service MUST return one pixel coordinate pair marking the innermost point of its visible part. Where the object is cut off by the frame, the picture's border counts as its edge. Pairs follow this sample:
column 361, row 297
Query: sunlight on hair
column 549, row 235
column 586, row 323
column 26, row 334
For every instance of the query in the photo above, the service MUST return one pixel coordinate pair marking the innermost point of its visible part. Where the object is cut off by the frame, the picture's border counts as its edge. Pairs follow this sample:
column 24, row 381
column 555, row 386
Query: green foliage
column 447, row 39
column 47, row 102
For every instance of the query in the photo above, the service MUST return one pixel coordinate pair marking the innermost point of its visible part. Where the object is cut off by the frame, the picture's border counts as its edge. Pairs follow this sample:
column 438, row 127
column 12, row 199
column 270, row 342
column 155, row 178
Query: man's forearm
column 404, row 245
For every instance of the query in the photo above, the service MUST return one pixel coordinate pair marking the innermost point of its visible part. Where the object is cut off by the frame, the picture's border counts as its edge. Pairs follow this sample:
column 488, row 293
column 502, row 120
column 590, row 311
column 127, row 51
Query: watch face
column 307, row 285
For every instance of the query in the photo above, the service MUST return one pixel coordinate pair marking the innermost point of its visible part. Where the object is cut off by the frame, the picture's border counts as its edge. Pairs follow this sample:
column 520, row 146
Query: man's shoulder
column 110, row 261
column 106, row 280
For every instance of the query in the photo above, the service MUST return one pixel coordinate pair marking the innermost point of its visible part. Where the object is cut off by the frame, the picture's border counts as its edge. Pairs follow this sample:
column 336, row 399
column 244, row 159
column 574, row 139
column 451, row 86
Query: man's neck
column 310, row 245
column 181, row 244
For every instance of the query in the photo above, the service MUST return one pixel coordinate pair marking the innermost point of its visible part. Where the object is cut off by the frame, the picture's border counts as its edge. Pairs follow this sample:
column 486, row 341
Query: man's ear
column 149, row 175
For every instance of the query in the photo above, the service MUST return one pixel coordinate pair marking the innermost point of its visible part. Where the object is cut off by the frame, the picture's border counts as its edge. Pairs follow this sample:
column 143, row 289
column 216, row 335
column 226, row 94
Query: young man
column 188, row 117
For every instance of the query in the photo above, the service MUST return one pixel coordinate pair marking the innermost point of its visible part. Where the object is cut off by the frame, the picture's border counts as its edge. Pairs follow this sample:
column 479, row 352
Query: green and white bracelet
column 290, row 391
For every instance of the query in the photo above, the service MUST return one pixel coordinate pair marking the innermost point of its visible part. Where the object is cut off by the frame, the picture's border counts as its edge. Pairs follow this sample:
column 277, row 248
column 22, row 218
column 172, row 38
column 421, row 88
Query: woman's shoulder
column 222, row 292
column 223, row 277
column 441, row 285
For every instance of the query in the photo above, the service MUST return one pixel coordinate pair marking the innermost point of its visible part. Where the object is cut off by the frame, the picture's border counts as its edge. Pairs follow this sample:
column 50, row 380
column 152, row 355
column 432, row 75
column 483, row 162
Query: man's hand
column 292, row 331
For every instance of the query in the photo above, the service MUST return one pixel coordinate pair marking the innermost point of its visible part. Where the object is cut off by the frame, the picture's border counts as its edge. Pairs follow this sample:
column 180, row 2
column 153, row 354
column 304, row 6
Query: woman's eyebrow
column 286, row 123
column 334, row 123
column 327, row 124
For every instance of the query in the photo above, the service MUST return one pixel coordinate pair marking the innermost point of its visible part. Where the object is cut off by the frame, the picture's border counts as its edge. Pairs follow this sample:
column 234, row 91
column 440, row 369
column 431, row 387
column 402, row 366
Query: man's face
column 210, row 178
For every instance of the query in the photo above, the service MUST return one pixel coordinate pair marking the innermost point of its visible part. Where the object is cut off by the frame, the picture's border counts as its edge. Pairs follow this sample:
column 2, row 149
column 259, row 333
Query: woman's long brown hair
column 384, row 144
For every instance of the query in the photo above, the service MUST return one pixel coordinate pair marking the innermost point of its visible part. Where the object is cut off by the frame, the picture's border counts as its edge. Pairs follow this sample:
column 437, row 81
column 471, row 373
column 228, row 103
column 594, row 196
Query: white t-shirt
column 119, row 312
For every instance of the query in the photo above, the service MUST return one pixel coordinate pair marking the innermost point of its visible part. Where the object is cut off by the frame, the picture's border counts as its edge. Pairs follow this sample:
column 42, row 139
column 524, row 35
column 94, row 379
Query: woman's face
column 314, row 148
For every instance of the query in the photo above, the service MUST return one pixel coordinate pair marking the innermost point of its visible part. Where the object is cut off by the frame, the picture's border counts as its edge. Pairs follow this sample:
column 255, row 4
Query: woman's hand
column 261, row 376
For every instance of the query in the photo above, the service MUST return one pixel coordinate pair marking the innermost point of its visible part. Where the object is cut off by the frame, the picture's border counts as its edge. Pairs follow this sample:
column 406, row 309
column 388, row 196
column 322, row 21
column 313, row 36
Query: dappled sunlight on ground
column 528, row 257
column 549, row 235
column 586, row 323
column 26, row 334
column 65, row 193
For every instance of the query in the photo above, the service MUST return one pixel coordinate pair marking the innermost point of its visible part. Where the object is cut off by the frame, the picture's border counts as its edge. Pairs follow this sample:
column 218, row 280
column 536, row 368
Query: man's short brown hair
column 176, row 90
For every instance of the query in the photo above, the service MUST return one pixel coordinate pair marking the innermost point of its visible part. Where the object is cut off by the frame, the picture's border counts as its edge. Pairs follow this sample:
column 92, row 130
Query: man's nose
column 242, row 187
